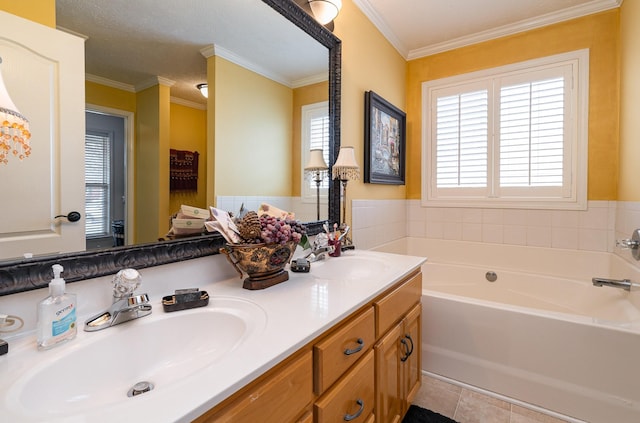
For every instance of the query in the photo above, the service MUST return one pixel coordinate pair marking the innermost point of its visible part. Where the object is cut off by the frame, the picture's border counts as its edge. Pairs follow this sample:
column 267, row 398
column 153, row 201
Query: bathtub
column 541, row 333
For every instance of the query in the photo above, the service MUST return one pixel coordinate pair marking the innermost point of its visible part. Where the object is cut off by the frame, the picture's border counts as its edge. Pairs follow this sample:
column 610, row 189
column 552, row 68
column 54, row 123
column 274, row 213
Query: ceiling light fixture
column 204, row 90
column 14, row 128
column 325, row 11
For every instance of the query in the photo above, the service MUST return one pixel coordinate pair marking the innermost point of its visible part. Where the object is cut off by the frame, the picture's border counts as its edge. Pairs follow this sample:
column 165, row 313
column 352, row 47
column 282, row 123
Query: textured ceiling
column 132, row 42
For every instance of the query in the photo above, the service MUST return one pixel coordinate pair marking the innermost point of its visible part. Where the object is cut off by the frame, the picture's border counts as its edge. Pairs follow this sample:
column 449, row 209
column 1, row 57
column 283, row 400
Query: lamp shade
column 324, row 11
column 14, row 128
column 346, row 166
column 316, row 161
column 204, row 90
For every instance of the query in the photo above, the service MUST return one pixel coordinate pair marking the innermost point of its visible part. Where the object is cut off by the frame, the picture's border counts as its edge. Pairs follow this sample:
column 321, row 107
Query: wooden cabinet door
column 411, row 371
column 389, row 399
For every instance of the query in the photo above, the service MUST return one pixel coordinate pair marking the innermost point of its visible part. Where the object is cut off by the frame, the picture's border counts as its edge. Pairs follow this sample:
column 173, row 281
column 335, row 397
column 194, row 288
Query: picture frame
column 384, row 141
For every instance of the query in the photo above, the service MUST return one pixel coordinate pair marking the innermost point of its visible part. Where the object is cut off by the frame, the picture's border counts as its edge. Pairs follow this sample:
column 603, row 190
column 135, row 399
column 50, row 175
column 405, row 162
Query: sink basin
column 349, row 268
column 162, row 349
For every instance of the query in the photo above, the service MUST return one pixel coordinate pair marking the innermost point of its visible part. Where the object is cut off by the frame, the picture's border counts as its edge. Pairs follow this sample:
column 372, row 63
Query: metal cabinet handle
column 349, row 417
column 356, row 349
column 408, row 349
column 410, row 340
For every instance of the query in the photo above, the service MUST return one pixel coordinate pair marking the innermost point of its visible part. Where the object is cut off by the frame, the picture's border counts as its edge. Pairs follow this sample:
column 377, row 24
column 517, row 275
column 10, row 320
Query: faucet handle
column 627, row 243
column 125, row 282
column 632, row 244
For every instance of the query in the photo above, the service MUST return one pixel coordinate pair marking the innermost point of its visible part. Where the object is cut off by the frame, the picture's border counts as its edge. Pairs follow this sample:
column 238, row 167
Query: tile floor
column 468, row 406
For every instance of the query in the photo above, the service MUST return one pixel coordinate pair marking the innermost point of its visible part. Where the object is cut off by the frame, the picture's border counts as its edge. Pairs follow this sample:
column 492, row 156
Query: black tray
column 185, row 301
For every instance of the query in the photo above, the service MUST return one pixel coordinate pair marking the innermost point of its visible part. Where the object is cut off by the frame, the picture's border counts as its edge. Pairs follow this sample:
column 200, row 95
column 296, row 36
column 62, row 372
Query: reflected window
column 97, row 184
column 315, row 135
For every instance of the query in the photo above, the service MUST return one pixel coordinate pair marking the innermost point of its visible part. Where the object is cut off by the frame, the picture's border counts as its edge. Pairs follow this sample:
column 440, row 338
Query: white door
column 43, row 70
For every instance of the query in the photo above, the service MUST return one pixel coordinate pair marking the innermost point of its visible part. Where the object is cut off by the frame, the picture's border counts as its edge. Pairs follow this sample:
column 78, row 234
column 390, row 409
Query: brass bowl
column 262, row 263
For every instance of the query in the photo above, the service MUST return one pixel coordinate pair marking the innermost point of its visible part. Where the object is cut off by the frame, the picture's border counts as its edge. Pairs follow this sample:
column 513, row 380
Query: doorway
column 106, row 220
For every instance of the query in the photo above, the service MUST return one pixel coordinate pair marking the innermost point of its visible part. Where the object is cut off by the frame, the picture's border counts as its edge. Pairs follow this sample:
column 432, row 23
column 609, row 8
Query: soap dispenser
column 56, row 314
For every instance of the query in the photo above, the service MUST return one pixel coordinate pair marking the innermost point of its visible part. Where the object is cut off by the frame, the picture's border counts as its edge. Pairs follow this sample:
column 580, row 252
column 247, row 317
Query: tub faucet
column 126, row 305
column 625, row 284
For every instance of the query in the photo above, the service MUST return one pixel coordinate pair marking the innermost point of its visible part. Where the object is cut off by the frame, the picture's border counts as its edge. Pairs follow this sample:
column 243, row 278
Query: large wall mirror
column 17, row 275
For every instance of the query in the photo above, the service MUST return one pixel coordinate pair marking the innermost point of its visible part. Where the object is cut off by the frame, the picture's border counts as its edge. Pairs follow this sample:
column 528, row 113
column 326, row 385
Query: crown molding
column 313, row 79
column 110, row 83
column 243, row 62
column 377, row 20
column 153, row 81
column 594, row 6
column 188, row 103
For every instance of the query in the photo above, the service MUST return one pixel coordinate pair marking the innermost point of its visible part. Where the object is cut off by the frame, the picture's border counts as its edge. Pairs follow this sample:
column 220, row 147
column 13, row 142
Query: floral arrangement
column 254, row 229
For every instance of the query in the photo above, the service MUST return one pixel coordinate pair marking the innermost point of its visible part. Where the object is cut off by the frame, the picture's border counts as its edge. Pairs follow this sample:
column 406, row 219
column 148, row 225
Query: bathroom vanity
column 369, row 360
column 342, row 340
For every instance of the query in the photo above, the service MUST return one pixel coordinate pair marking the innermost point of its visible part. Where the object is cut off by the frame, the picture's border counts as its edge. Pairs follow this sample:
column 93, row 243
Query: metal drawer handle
column 356, row 349
column 349, row 417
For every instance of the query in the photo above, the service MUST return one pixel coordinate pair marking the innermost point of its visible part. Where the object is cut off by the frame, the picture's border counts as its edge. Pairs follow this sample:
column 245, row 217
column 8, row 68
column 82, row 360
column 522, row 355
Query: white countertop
column 295, row 311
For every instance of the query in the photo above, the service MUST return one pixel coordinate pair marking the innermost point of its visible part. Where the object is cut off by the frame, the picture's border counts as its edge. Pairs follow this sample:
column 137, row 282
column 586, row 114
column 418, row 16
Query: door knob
column 73, row 216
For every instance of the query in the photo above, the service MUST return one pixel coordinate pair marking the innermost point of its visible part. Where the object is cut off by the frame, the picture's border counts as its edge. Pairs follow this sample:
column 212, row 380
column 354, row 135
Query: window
column 97, row 184
column 514, row 136
column 315, row 134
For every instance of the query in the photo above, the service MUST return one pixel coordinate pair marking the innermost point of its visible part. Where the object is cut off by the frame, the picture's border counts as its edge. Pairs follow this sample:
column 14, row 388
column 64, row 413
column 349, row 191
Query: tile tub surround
column 377, row 222
column 467, row 404
column 316, row 302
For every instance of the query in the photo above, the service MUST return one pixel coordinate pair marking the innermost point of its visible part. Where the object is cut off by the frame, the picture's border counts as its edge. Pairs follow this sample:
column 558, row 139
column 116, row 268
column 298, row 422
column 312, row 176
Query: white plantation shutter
column 97, row 180
column 461, row 140
column 319, row 138
column 508, row 136
column 532, row 133
column 315, row 134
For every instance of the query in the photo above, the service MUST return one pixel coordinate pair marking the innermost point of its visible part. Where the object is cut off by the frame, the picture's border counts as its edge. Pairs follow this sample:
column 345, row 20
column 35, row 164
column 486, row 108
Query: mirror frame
column 27, row 274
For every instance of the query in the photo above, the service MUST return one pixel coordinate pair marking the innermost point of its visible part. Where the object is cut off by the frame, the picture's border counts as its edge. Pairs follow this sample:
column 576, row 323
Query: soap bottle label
column 67, row 322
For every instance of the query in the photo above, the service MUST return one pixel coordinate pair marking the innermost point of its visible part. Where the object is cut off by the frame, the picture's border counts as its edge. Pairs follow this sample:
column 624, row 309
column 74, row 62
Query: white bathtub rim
column 501, row 397
column 587, row 263
column 629, row 327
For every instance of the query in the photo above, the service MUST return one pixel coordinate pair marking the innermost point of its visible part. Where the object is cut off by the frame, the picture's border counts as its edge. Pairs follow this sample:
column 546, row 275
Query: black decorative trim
column 28, row 274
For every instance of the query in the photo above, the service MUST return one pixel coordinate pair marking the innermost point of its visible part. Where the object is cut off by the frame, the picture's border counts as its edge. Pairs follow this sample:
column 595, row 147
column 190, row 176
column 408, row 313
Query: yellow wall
column 101, row 95
column 253, row 133
column 189, row 132
column 597, row 32
column 310, row 94
column 152, row 164
column 369, row 62
column 41, row 11
column 629, row 188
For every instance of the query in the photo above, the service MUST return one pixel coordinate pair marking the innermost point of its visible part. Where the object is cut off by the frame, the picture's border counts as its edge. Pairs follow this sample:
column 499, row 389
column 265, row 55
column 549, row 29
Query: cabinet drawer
column 279, row 398
column 392, row 307
column 353, row 395
column 341, row 349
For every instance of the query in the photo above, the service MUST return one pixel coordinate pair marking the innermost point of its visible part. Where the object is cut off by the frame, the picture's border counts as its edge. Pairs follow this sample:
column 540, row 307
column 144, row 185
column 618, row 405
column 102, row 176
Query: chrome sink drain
column 140, row 388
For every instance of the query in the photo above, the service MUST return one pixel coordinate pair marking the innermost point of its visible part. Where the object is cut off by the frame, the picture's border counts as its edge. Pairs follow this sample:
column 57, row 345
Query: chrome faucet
column 320, row 248
column 126, row 305
column 625, row 284
column 319, row 253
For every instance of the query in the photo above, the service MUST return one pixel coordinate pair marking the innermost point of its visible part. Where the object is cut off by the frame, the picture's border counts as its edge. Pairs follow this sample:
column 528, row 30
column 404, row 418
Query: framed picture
column 384, row 141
